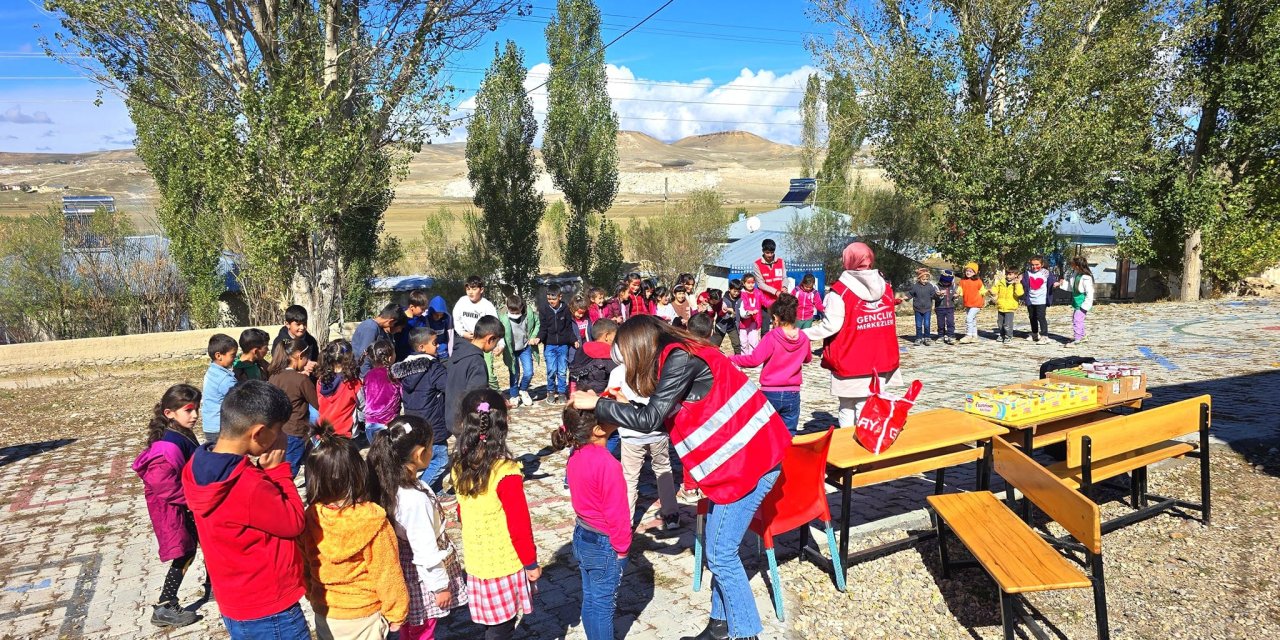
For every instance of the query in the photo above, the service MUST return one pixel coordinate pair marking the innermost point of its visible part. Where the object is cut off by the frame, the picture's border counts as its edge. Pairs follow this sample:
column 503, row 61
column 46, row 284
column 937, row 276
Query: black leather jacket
column 683, row 377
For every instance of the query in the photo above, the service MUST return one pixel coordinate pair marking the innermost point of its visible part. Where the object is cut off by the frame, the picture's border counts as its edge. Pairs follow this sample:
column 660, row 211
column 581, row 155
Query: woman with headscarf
column 726, row 433
column 859, row 332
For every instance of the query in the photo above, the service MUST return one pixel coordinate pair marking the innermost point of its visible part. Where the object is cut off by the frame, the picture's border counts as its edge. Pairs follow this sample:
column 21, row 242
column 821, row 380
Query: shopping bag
column 882, row 417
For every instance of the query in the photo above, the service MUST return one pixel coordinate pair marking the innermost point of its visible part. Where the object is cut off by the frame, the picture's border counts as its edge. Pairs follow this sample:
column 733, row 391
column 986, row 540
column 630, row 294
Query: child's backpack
column 591, row 374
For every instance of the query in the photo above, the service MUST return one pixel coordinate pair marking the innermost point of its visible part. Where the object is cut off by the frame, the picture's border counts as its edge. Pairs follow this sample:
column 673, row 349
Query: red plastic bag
column 881, row 419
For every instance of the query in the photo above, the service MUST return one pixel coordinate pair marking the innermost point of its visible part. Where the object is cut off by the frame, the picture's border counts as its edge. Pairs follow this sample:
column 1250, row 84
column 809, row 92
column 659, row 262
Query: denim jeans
column 521, row 370
column 971, row 321
column 294, row 452
column 371, row 429
column 922, row 324
column 601, row 570
column 286, row 625
column 557, row 357
column 433, row 475
column 731, row 597
column 787, row 404
column 946, row 322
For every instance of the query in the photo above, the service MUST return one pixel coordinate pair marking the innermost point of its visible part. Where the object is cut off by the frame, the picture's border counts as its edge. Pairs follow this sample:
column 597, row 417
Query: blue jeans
column 286, row 625
column 521, row 369
column 433, row 475
column 731, row 597
column 922, row 324
column 787, row 404
column 557, row 357
column 601, row 570
column 371, row 429
column 294, row 452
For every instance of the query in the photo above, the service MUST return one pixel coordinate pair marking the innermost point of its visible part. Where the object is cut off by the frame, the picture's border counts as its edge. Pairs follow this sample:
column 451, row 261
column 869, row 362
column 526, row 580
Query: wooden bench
column 1129, row 444
column 1018, row 558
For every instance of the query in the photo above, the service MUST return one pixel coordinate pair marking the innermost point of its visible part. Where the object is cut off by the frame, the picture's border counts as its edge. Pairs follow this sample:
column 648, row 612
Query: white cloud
column 762, row 102
column 14, row 115
column 80, row 124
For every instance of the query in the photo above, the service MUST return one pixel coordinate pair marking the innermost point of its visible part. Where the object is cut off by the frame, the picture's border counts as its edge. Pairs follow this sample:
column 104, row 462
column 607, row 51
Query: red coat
column 248, row 525
column 731, row 437
column 867, row 340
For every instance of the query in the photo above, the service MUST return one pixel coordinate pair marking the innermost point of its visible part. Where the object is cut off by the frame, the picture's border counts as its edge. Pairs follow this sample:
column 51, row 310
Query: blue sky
column 699, row 66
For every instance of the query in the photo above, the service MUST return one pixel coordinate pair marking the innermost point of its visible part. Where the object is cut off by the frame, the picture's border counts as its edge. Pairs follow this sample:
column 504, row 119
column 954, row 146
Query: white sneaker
column 525, row 399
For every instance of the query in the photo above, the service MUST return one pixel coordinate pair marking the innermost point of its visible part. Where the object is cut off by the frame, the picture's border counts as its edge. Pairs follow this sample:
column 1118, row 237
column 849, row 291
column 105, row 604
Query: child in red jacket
column 249, row 516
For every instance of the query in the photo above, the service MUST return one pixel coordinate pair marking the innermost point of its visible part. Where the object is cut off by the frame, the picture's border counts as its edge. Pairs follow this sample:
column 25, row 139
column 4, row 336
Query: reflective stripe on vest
column 716, row 421
column 735, row 444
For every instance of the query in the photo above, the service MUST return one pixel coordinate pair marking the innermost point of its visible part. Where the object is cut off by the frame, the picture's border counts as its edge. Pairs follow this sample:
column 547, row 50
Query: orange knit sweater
column 353, row 563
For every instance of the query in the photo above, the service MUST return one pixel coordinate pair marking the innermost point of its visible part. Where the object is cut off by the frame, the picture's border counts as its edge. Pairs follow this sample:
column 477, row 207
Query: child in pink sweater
column 783, row 352
column 809, row 301
column 752, row 302
column 602, row 536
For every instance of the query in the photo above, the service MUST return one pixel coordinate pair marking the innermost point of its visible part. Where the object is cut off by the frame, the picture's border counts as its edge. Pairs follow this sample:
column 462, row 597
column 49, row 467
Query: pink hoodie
column 782, row 357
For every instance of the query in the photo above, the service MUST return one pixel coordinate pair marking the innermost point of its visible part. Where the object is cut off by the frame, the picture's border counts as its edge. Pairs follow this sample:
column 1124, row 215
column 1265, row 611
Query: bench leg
column 1204, row 464
column 1099, row 596
column 943, row 556
column 1007, row 617
column 938, row 486
column 1135, row 489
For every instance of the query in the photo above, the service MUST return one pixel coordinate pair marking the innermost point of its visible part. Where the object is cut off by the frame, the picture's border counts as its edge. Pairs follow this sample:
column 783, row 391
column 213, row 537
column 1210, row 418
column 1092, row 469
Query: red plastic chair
column 798, row 498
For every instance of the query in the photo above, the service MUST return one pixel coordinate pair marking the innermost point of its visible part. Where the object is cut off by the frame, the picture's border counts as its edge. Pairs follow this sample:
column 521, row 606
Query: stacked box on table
column 1110, row 391
column 1019, row 402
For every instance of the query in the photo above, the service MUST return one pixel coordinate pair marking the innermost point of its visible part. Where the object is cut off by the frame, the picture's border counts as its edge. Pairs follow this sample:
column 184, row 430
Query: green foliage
column 994, row 113
column 846, row 128
column 606, row 268
column 503, row 171
column 819, row 239
column 1216, row 171
column 275, row 131
column 52, row 289
column 450, row 256
column 580, row 144
column 683, row 241
column 809, row 123
column 894, row 227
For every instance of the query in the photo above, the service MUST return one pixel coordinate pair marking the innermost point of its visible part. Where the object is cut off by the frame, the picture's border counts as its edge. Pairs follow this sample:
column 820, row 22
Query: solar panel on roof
column 801, row 189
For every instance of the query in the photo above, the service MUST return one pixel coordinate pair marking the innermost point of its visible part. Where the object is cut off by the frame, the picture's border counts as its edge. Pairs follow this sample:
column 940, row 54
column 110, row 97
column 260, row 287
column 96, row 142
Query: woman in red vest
column 728, row 436
column 859, row 332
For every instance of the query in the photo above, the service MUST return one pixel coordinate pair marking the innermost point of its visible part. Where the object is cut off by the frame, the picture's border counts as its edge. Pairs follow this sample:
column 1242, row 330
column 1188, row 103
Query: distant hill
column 735, row 142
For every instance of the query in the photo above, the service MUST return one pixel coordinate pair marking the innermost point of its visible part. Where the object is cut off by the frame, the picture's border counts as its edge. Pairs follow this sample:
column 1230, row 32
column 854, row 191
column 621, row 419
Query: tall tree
column 299, row 116
column 996, row 113
column 1205, row 199
column 846, row 129
column 580, row 143
column 809, row 124
column 502, row 169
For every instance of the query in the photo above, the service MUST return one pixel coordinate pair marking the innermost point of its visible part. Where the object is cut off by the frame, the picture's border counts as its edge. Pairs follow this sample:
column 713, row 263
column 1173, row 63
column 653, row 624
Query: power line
column 607, row 26
column 688, row 120
column 703, row 24
column 660, row 83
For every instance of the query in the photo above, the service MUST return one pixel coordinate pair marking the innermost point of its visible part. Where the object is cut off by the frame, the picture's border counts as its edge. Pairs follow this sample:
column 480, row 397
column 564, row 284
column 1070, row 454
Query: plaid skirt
column 497, row 600
column 422, row 605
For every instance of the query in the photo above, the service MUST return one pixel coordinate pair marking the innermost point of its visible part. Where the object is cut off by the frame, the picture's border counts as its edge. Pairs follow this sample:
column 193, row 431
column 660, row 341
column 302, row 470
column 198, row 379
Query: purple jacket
column 160, row 467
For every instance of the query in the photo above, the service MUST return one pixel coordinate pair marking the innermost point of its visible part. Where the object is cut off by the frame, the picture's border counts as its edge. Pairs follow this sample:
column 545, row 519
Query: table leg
column 846, row 492
column 1028, row 441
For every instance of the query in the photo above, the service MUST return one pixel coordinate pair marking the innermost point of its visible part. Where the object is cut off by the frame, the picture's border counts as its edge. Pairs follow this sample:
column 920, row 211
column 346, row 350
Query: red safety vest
column 729, row 439
column 868, row 339
column 773, row 275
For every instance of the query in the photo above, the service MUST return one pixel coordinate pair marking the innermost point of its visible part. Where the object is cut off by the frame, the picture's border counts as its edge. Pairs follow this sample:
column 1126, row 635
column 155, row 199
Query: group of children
column 1032, row 288
column 368, row 548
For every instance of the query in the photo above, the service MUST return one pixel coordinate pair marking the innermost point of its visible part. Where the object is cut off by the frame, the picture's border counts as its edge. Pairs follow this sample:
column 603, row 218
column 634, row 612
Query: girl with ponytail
column 354, row 580
column 602, row 536
column 428, row 558
column 502, row 560
column 170, row 443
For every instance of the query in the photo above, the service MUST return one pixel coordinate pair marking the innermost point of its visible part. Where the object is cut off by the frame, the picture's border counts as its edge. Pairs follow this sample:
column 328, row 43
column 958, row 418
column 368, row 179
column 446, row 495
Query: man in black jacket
column 423, row 381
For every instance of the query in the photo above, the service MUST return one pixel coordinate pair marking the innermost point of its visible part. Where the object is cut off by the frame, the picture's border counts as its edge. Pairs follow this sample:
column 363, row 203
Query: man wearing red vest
column 859, row 332
column 770, row 274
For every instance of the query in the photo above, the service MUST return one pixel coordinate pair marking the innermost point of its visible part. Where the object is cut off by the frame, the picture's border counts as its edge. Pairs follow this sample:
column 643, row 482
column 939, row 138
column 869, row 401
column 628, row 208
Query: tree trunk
column 315, row 282
column 1191, row 267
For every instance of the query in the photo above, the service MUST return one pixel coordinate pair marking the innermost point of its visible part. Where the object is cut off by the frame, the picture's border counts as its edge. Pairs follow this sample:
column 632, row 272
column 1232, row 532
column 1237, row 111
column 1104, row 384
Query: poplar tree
column 809, row 124
column 580, row 143
column 502, row 168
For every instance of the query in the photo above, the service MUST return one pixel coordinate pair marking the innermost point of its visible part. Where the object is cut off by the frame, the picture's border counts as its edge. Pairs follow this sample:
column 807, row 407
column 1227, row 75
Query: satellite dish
column 753, row 224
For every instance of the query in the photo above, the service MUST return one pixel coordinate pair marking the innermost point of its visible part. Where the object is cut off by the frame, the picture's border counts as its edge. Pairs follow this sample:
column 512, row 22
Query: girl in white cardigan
column 435, row 578
column 1080, row 285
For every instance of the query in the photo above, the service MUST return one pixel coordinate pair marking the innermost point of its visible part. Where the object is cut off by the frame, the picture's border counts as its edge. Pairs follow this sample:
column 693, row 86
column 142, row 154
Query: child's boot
column 169, row 614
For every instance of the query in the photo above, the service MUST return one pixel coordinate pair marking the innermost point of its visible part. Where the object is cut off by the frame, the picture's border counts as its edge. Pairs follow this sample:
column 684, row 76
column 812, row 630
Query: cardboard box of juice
column 1114, row 385
column 1019, row 402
